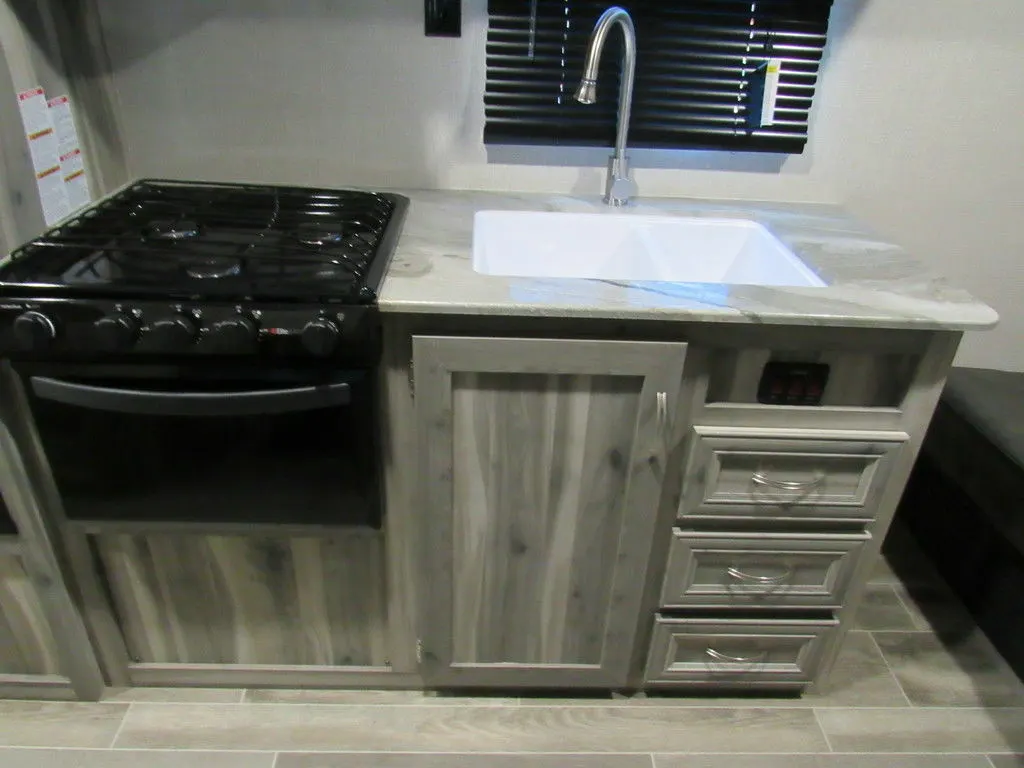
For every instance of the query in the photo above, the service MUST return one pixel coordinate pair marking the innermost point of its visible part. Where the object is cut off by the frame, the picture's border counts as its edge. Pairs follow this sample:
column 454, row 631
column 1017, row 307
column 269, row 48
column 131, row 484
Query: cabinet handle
column 663, row 412
column 723, row 657
column 760, row 478
column 660, row 452
column 767, row 581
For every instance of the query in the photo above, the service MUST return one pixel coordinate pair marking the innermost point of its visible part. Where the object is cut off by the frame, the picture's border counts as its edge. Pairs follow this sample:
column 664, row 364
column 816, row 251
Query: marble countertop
column 870, row 283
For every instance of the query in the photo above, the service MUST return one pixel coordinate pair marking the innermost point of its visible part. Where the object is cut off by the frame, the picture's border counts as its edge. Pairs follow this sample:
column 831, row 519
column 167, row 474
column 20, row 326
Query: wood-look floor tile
column 325, row 696
column 105, row 758
column 175, row 695
column 860, row 678
column 384, row 760
column 924, row 730
column 820, row 761
column 58, row 724
column 311, row 727
column 881, row 609
column 955, row 670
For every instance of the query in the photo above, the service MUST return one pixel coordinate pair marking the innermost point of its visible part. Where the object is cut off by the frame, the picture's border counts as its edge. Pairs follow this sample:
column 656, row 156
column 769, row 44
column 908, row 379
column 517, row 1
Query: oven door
column 166, row 444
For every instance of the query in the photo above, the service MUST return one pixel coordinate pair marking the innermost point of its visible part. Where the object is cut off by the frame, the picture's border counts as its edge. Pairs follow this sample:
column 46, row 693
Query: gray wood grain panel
column 845, row 471
column 917, row 410
column 271, row 675
column 402, row 499
column 27, row 645
column 539, row 495
column 371, row 698
column 304, row 601
column 733, row 652
column 34, row 504
column 542, row 467
column 759, row 569
column 316, row 727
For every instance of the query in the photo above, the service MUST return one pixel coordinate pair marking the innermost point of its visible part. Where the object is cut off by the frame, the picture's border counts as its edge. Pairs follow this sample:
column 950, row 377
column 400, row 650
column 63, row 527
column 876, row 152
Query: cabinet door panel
column 542, row 476
column 540, row 479
column 26, row 640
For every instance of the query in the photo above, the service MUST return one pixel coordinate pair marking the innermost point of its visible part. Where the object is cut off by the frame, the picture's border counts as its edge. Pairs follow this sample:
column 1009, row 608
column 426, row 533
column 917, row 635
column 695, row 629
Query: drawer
column 763, row 652
column 732, row 472
column 758, row 569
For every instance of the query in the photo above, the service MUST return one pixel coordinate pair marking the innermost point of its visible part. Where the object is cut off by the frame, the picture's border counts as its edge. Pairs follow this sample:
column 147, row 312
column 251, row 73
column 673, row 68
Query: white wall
column 919, row 128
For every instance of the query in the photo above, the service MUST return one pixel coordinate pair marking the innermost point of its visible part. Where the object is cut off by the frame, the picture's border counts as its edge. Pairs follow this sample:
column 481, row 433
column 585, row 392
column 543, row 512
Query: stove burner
column 212, row 267
column 181, row 229
column 318, row 236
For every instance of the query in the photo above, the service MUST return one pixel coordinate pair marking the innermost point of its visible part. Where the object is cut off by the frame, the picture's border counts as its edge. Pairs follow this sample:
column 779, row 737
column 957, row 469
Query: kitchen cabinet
column 781, row 512
column 542, row 467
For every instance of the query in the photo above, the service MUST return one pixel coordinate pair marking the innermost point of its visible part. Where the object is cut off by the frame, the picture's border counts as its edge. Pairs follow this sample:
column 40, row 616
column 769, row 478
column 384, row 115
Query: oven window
column 314, row 464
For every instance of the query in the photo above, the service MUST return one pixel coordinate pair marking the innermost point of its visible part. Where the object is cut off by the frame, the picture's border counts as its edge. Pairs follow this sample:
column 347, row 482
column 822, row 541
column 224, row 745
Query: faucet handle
column 620, row 187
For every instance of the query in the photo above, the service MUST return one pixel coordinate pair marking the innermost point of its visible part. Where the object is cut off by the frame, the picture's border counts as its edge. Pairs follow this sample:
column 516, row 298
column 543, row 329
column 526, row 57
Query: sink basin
column 634, row 248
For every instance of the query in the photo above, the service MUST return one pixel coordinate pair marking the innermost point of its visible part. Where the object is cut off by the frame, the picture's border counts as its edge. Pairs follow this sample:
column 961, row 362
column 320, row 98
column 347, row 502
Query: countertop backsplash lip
column 871, row 283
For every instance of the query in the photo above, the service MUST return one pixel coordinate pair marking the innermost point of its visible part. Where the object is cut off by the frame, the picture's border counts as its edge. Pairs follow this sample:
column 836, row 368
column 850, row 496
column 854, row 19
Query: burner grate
column 212, row 240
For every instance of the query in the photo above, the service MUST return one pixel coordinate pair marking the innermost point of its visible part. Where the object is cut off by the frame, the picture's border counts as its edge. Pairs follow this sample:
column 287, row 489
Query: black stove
column 182, row 269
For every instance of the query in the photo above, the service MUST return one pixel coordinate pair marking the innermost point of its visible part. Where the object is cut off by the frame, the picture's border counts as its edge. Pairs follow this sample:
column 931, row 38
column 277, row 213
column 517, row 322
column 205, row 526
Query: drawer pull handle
column 663, row 411
column 760, row 478
column 727, row 659
column 768, row 581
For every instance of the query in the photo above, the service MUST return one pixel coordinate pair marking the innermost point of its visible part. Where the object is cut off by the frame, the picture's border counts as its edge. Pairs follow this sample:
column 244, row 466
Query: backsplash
column 328, row 92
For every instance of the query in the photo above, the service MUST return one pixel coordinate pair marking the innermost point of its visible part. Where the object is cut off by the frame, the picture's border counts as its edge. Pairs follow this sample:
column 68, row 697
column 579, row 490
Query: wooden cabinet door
column 541, row 463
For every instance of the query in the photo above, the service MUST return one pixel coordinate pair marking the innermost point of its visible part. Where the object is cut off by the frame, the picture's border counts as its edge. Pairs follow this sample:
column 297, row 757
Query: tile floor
column 917, row 686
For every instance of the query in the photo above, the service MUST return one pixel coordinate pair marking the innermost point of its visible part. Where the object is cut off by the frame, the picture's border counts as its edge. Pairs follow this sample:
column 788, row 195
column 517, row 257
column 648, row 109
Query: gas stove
column 170, row 269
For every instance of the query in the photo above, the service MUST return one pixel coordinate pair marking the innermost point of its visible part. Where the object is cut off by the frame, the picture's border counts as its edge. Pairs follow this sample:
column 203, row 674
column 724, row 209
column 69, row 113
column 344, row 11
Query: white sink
column 634, row 248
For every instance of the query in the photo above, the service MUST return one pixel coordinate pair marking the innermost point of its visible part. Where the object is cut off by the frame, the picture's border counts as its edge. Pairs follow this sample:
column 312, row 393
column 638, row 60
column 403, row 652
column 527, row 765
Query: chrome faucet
column 619, row 187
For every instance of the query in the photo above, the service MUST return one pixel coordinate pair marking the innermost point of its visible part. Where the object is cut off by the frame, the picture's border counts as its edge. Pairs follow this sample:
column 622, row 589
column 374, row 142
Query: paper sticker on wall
column 763, row 93
column 44, row 150
column 72, row 163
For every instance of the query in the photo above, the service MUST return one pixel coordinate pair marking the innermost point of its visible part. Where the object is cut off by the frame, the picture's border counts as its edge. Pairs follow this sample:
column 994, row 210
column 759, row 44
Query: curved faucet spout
column 620, row 187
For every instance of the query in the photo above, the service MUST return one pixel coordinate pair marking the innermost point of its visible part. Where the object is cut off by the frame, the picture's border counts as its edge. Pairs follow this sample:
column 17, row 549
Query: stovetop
column 166, row 271
column 215, row 241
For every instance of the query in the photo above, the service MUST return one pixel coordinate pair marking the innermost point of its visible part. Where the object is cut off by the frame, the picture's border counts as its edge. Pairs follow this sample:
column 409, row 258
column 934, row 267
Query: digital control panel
column 786, row 383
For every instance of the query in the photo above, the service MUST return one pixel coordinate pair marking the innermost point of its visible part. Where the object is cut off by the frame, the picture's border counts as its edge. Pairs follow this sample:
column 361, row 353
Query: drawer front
column 732, row 473
column 699, row 652
column 759, row 569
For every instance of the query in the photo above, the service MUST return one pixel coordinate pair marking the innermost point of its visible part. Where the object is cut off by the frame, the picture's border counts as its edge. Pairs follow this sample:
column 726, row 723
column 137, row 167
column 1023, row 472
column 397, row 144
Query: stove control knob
column 239, row 334
column 321, row 337
column 174, row 334
column 115, row 333
column 34, row 331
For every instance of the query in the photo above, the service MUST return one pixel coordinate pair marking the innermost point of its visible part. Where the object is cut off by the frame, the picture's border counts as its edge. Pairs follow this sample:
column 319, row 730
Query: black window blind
column 696, row 80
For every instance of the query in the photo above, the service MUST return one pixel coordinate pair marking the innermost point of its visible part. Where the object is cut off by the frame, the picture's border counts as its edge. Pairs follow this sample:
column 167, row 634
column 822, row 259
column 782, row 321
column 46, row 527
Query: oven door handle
column 243, row 403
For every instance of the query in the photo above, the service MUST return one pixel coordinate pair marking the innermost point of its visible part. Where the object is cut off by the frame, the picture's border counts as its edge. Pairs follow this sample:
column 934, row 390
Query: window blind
column 696, row 81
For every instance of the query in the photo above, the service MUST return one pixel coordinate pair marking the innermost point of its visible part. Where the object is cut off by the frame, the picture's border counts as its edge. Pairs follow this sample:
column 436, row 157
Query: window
column 699, row 81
